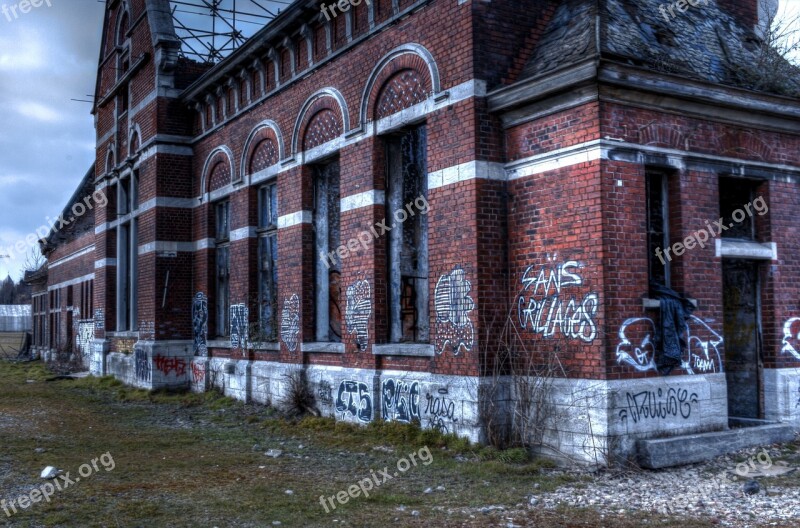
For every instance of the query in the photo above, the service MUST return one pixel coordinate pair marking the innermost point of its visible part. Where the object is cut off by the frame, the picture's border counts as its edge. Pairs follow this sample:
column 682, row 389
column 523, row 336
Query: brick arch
column 218, row 170
column 323, row 117
column 662, row 135
column 263, row 148
column 111, row 159
column 388, row 77
column 741, row 143
column 403, row 90
column 134, row 140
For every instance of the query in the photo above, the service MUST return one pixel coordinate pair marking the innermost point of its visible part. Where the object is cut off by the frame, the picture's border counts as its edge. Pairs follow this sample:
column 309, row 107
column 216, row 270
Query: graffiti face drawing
column 636, row 347
column 791, row 337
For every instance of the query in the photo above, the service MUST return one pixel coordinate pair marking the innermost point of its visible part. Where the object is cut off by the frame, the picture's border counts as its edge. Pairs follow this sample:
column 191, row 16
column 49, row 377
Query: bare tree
column 776, row 67
column 33, row 259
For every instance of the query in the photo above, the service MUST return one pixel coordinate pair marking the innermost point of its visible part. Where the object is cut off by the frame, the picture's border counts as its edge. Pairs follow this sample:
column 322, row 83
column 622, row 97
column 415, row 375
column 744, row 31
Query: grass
column 183, row 459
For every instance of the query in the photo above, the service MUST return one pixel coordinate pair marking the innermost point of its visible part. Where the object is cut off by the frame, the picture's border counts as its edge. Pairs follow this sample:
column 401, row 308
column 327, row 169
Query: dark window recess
column 326, row 241
column 657, row 228
column 222, row 240
column 734, row 194
column 268, row 262
column 408, row 244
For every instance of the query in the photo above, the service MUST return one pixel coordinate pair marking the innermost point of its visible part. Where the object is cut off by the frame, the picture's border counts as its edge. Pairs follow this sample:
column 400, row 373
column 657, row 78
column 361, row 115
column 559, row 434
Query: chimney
column 746, row 11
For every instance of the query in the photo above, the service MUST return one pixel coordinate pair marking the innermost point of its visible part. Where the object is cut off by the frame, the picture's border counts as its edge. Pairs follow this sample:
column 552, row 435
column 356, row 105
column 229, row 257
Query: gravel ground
column 713, row 490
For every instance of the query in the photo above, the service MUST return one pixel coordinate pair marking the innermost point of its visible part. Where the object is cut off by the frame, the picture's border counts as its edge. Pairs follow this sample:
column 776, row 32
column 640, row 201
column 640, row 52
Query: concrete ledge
column 403, row 349
column 688, row 449
column 322, row 348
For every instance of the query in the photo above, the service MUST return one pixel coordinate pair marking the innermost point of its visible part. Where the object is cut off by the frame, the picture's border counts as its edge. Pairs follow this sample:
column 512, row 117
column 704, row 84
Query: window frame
column 396, row 187
column 267, row 232
column 222, row 239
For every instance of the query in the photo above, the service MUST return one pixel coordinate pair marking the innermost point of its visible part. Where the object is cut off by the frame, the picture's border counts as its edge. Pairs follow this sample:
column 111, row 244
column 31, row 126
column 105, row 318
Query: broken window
column 222, row 240
column 326, row 240
column 657, row 227
column 127, row 251
column 268, row 260
column 406, row 157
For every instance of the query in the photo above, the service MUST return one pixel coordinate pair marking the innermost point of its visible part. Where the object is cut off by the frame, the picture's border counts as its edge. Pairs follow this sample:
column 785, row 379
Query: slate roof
column 704, row 43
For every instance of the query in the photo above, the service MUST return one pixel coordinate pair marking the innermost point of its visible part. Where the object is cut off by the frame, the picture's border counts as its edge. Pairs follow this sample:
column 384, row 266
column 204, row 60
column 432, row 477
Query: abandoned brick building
column 381, row 199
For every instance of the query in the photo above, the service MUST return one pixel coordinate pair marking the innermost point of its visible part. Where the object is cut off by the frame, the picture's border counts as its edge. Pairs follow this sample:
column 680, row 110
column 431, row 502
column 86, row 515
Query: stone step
column 689, row 449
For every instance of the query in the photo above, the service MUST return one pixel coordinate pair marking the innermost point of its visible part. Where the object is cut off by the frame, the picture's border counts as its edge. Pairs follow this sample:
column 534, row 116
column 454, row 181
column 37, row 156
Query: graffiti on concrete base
column 354, row 400
column 658, row 405
column 168, row 365
column 198, row 373
column 440, row 412
column 400, row 401
column 325, row 393
column 141, row 365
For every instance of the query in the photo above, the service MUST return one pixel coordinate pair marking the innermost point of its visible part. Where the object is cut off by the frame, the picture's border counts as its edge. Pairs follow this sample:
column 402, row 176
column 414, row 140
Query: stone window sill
column 403, row 349
column 322, row 348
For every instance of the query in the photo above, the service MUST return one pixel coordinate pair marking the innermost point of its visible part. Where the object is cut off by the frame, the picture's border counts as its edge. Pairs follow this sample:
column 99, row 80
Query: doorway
column 742, row 334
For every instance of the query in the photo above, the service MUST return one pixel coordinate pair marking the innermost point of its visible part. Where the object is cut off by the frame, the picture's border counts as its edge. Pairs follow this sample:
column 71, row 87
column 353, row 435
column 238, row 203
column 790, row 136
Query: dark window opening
column 408, row 243
column 657, row 228
column 268, row 261
column 736, row 208
column 222, row 239
column 326, row 241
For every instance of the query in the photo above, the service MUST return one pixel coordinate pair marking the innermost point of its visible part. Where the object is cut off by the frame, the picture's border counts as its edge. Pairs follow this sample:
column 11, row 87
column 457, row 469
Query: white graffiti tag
column 358, row 311
column 453, row 305
column 542, row 308
column 637, row 346
column 290, row 322
column 791, row 337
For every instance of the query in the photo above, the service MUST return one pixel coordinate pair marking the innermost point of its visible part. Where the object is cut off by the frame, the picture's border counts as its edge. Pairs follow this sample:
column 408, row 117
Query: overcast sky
column 47, row 57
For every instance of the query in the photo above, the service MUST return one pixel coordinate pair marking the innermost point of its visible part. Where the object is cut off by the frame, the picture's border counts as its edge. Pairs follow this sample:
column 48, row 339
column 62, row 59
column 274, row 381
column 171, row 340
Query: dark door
column 742, row 337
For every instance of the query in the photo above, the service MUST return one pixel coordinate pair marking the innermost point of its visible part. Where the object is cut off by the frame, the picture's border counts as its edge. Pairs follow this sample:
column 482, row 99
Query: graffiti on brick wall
column 290, row 322
column 141, row 365
column 147, row 330
column 636, row 347
column 658, row 405
column 200, row 324
column 99, row 319
column 84, row 336
column 453, row 305
column 168, row 365
column 325, row 392
column 400, row 401
column 239, row 316
column 549, row 303
column 125, row 346
column 198, row 372
column 354, row 400
column 440, row 411
column 791, row 337
column 358, row 312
